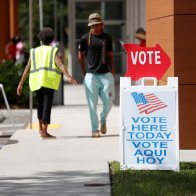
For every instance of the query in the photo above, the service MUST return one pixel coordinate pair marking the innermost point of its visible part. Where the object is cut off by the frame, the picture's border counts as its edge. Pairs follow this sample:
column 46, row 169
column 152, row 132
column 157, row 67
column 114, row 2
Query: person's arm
column 24, row 77
column 111, row 56
column 62, row 67
column 81, row 61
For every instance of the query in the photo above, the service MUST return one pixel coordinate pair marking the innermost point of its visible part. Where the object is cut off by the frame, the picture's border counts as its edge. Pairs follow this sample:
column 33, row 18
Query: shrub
column 10, row 75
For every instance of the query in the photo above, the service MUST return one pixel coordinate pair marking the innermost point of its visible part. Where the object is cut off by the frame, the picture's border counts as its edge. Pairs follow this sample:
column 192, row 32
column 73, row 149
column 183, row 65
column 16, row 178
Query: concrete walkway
column 71, row 165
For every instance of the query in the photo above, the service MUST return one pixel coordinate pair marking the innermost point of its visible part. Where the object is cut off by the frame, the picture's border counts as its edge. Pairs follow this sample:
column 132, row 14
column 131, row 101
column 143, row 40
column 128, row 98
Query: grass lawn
column 154, row 183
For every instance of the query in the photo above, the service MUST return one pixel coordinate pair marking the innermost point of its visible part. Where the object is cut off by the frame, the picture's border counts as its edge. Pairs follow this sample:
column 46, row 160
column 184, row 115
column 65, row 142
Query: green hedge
column 10, row 75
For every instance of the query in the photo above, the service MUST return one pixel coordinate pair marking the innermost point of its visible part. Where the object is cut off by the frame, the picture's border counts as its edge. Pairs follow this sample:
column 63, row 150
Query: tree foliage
column 9, row 77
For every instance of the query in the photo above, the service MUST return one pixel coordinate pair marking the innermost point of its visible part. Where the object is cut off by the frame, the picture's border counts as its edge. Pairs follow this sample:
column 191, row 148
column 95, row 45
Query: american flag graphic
column 147, row 104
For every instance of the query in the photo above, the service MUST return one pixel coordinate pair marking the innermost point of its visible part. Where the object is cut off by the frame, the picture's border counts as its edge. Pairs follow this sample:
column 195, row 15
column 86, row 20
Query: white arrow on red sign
column 146, row 61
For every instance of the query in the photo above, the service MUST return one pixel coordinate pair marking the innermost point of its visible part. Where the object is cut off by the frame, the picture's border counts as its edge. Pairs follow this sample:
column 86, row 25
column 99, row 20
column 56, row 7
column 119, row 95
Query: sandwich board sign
column 149, row 125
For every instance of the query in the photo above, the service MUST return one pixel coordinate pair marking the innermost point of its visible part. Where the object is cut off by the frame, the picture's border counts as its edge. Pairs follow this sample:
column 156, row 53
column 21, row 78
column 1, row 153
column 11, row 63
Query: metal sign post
column 149, row 125
column 30, row 46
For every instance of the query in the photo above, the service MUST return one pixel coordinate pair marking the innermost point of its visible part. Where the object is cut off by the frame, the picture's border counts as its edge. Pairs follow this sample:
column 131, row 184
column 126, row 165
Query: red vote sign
column 146, row 61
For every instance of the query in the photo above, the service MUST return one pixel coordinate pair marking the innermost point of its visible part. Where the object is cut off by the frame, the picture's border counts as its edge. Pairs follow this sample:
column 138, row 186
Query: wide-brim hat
column 140, row 34
column 94, row 18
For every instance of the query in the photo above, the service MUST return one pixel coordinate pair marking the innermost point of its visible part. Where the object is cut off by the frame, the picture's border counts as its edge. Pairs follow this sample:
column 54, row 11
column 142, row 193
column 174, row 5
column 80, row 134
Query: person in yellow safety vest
column 45, row 67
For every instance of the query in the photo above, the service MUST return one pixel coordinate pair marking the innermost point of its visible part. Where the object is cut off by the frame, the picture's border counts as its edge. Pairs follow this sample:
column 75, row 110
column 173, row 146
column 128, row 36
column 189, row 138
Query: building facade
column 8, row 24
column 172, row 24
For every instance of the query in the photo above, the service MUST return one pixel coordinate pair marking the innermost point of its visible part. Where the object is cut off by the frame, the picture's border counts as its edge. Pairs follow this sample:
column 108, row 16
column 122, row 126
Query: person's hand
column 71, row 80
column 19, row 89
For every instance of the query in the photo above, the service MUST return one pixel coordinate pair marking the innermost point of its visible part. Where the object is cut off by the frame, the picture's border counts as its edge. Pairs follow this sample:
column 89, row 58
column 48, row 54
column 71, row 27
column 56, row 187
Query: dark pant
column 44, row 104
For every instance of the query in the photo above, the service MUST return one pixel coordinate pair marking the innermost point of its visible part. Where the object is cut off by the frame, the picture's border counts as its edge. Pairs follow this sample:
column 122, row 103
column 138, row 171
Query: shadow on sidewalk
column 56, row 183
column 86, row 136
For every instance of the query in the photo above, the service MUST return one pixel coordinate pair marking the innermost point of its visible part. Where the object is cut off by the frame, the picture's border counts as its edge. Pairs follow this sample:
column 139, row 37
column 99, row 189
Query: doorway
column 113, row 14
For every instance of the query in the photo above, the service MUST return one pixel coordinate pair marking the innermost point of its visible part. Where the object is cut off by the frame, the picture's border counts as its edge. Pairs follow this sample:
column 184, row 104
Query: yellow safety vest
column 43, row 72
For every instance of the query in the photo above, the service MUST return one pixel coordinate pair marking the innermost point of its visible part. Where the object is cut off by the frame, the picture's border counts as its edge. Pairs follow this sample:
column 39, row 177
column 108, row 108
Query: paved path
column 73, row 164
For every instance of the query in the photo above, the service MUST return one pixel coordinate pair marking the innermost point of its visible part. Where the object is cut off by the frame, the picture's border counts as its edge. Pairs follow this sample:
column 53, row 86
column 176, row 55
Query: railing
column 7, row 105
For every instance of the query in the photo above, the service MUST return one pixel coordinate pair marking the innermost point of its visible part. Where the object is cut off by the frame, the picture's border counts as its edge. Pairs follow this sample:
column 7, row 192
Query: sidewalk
column 71, row 165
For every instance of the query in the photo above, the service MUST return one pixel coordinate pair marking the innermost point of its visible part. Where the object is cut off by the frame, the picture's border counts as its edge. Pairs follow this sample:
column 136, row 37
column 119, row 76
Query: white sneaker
column 96, row 133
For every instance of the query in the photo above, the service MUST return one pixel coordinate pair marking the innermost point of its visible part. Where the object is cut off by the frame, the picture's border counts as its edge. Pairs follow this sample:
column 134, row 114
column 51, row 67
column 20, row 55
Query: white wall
column 135, row 17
